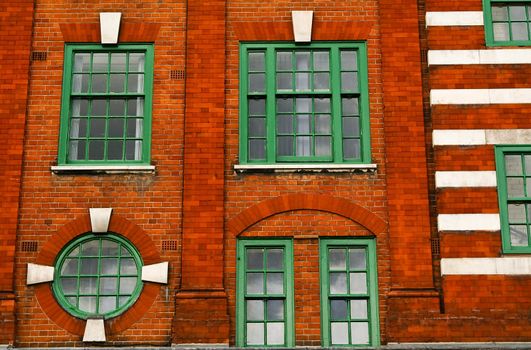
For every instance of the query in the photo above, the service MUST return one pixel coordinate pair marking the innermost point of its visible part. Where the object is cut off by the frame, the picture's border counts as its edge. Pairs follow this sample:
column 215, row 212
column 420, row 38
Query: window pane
column 107, row 304
column 117, row 107
column 515, row 187
column 117, row 82
column 519, row 31
column 501, row 31
column 323, row 124
column 516, row 213
column 89, row 266
column 275, row 310
column 351, row 148
column 255, row 334
column 303, row 105
column 321, row 61
column 349, row 106
column 80, row 83
column 357, row 259
column 256, row 106
column 69, row 285
column 275, row 259
column 351, row 127
column 127, row 285
column 358, row 283
column 349, row 81
column 255, row 259
column 133, row 150
column 338, row 310
column 136, row 62
column 99, row 83
column 339, row 332
column 116, row 129
column 323, row 146
column 304, row 146
column 337, row 259
column 135, row 83
column 513, row 165
column 518, row 235
column 302, row 81
column 257, row 127
column 255, row 310
column 97, row 127
column 322, row 105
column 69, row 267
column 79, row 107
column 255, row 283
column 257, row 82
column 284, row 105
column 499, row 13
column 302, row 60
column 517, row 13
column 321, row 81
column 360, row 332
column 285, row 146
column 358, row 309
column 109, row 266
column 338, row 283
column 109, row 285
column 275, row 333
column 88, row 285
column 527, row 159
column 128, row 267
column 78, row 128
column 284, row 124
column 349, row 60
column 87, row 304
column 284, row 81
column 135, row 107
column 82, row 62
column 257, row 149
column 275, row 283
column 303, row 124
column 118, row 62
column 134, row 128
column 256, row 62
column 283, row 60
column 100, row 62
column 90, row 248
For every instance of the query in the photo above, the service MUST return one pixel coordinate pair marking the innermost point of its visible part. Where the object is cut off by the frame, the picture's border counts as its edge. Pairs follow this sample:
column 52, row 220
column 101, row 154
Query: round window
column 98, row 275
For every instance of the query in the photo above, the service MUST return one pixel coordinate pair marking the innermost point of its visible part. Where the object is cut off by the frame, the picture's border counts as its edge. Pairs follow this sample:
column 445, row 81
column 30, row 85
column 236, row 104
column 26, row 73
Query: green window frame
column 513, row 171
column 97, row 276
column 304, row 103
column 507, row 22
column 349, row 293
column 106, row 105
column 264, row 293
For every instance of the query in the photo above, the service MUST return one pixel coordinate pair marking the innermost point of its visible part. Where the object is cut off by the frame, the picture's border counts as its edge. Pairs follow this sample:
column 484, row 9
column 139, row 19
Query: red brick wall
column 16, row 20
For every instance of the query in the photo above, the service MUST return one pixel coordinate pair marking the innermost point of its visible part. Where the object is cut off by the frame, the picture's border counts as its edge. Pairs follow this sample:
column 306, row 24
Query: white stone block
column 454, row 18
column 458, row 137
column 99, row 219
column 110, row 27
column 459, row 96
column 468, row 222
column 302, row 26
column 39, row 274
column 505, row 56
column 465, row 179
column 157, row 273
column 452, row 57
column 508, row 136
column 94, row 331
column 486, row 266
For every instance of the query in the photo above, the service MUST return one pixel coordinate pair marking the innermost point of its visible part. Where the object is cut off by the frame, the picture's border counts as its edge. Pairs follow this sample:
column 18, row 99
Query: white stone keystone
column 39, row 274
column 94, row 331
column 99, row 219
column 110, row 27
column 302, row 26
column 157, row 273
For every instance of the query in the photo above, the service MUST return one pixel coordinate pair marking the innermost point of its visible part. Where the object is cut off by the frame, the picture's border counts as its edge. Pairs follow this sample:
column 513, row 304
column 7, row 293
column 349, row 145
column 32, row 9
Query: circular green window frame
column 73, row 256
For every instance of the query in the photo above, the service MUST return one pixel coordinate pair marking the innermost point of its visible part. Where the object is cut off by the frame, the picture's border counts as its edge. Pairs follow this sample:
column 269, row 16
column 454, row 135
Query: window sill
column 103, row 169
column 303, row 168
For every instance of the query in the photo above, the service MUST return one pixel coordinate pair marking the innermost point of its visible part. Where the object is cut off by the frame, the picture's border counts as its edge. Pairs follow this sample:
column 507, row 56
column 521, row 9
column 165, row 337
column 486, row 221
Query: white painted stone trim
column 106, row 169
column 157, row 273
column 99, row 219
column 457, row 137
column 318, row 167
column 302, row 26
column 94, row 331
column 486, row 266
column 495, row 56
column 454, row 18
column 110, row 27
column 508, row 136
column 465, row 179
column 468, row 222
column 479, row 96
column 39, row 274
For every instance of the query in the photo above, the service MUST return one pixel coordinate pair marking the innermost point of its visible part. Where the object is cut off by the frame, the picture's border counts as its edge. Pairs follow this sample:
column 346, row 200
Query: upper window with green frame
column 264, row 296
column 304, row 103
column 513, row 169
column 507, row 22
column 106, row 106
column 349, row 293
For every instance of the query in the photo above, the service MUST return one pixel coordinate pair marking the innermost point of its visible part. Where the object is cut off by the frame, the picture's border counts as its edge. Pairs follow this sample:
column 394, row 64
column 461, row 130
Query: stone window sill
column 303, row 168
column 103, row 169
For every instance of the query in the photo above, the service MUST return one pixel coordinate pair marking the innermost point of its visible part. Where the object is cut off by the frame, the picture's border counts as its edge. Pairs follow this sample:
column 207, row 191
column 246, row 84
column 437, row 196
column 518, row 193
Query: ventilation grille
column 435, row 247
column 177, row 74
column 169, row 245
column 39, row 55
column 29, row 246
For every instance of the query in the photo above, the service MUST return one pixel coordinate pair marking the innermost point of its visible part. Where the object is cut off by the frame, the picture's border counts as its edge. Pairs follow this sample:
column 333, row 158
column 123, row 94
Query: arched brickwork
column 68, row 232
column 309, row 201
column 129, row 32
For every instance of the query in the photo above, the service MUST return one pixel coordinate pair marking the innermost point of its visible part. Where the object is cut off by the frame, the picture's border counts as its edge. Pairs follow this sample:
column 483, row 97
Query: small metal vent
column 435, row 247
column 169, row 245
column 39, row 55
column 177, row 74
column 29, row 246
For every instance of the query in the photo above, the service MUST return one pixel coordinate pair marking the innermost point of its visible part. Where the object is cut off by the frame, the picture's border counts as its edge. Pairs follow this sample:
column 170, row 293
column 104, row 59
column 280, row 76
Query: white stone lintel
column 458, row 137
column 39, row 274
column 157, row 273
column 465, row 179
column 486, row 266
column 110, row 27
column 465, row 57
column 302, row 26
column 94, row 330
column 468, row 222
column 99, row 219
column 480, row 96
column 454, row 18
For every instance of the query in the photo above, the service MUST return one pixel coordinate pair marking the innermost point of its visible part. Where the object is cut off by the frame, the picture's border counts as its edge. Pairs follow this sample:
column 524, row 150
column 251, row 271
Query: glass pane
column 275, row 310
column 499, row 13
column 135, row 107
column 136, row 62
column 255, row 283
column 515, row 187
column 109, row 266
column 117, row 107
column 125, row 252
column 302, row 81
column 518, row 235
column 72, row 301
column 118, row 62
column 528, row 186
column 338, row 310
column 257, row 149
column 284, row 61
column 284, row 124
column 275, row 333
column 322, row 105
column 78, row 128
column 79, row 107
column 99, row 83
column 256, row 62
column 128, row 267
column 82, row 62
column 122, row 301
column 107, row 304
column 357, row 259
column 500, row 31
column 303, row 105
column 275, row 283
column 323, row 124
column 257, row 127
column 99, row 107
column 256, row 106
column 91, row 248
column 255, row 310
column 351, row 148
column 360, row 332
column 349, row 106
column 358, row 309
column 87, row 304
column 302, row 60
column 358, row 283
column 285, row 146
column 517, row 13
column 323, row 146
column 519, row 31
column 321, row 81
column 338, row 283
column 255, row 334
column 303, row 124
column 69, row 285
column 97, row 127
column 115, row 149
column 255, row 259
column 304, row 146
column 339, row 332
column 349, row 60
column 134, row 127
column 135, row 83
column 88, row 285
column 284, row 105
column 116, row 128
column 133, row 150
column 74, row 252
column 80, row 83
column 527, row 159
column 89, row 266
column 351, row 127
column 117, row 82
column 275, row 259
column 100, row 62
column 516, row 213
column 127, row 285
column 69, row 267
column 321, row 61
column 108, row 285
column 513, row 165
column 349, row 81
column 337, row 259
column 284, row 81
column 257, row 82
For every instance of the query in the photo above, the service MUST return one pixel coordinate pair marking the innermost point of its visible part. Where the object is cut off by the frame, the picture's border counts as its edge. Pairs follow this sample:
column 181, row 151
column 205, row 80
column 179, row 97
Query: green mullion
column 271, row 110
column 336, row 109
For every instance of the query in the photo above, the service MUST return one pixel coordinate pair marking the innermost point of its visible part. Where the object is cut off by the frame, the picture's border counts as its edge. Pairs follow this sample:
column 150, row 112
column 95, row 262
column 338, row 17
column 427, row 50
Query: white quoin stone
column 99, row 219
column 39, row 274
column 157, row 273
column 302, row 26
column 94, row 331
column 110, row 27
